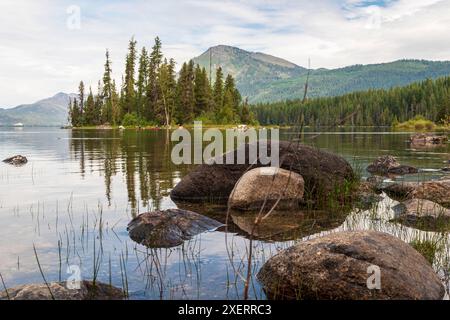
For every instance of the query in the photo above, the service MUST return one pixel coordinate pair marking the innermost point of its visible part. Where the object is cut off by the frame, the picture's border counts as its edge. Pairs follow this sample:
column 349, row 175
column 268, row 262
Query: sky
column 48, row 46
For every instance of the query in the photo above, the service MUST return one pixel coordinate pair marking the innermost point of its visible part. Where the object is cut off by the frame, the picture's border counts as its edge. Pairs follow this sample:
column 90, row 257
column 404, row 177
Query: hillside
column 264, row 78
column 47, row 112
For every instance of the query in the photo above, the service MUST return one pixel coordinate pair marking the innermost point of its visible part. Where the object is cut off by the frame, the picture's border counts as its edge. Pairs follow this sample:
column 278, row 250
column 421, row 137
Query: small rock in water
column 16, row 160
column 422, row 214
column 345, row 266
column 269, row 186
column 169, row 228
column 389, row 164
column 427, row 139
column 87, row 291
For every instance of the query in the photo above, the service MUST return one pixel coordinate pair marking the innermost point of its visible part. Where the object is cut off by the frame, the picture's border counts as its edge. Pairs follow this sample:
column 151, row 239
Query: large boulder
column 169, row 228
column 389, row 165
column 16, row 160
column 324, row 173
column 267, row 186
column 338, row 266
column 422, row 214
column 87, row 291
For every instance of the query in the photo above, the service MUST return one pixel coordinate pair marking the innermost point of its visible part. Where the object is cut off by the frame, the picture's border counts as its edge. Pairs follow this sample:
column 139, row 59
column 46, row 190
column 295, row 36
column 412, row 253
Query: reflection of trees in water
column 142, row 156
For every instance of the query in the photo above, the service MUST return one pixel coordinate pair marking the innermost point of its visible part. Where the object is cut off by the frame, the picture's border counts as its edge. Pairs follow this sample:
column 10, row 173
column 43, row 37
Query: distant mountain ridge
column 265, row 78
column 261, row 78
column 51, row 111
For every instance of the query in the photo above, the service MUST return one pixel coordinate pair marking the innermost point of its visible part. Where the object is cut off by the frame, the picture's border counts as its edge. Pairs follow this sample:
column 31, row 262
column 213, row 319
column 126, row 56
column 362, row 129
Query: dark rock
column 169, row 228
column 389, row 165
column 16, row 160
column 336, row 266
column 422, row 214
column 87, row 291
column 323, row 173
column 267, row 186
column 446, row 169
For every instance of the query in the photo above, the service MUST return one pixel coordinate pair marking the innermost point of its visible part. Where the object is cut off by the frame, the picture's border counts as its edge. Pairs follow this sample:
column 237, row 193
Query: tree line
column 152, row 93
column 429, row 98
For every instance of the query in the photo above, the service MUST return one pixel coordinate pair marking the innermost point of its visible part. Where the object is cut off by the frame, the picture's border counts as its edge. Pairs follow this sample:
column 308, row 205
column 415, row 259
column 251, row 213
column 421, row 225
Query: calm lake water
column 80, row 188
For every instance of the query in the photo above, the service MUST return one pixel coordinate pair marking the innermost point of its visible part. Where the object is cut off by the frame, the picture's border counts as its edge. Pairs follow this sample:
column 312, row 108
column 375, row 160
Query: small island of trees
column 152, row 94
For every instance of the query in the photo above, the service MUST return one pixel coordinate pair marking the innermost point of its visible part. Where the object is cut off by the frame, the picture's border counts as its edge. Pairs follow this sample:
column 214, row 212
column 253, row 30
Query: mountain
column 265, row 78
column 52, row 111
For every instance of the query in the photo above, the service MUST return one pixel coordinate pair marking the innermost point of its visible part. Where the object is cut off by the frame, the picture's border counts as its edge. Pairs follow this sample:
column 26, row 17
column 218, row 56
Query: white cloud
column 40, row 56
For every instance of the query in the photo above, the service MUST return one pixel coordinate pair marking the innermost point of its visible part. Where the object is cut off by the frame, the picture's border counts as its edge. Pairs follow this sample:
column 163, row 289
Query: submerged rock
column 324, row 174
column 269, row 186
column 169, row 228
column 16, row 160
column 337, row 266
column 87, row 291
column 427, row 139
column 389, row 165
column 422, row 214
column 287, row 225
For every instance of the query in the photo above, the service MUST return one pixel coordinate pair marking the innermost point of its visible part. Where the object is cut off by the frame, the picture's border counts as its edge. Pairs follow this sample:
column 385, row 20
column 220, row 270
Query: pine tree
column 81, row 101
column 202, row 91
column 185, row 93
column 152, row 86
column 89, row 110
column 75, row 116
column 129, row 101
column 107, row 91
column 115, row 105
column 218, row 90
column 166, row 92
column 233, row 94
column 142, row 81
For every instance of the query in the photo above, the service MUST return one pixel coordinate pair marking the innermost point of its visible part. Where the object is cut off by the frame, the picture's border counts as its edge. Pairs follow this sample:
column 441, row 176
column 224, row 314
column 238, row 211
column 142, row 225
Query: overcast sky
column 45, row 49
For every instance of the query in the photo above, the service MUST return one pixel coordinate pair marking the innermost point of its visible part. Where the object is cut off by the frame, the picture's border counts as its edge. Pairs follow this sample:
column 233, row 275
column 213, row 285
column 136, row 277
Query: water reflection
column 80, row 189
column 141, row 157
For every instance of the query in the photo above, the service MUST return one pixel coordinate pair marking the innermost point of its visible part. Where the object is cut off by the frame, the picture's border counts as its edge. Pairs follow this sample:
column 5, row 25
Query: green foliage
column 156, row 97
column 133, row 120
column 366, row 108
column 426, row 248
column 418, row 123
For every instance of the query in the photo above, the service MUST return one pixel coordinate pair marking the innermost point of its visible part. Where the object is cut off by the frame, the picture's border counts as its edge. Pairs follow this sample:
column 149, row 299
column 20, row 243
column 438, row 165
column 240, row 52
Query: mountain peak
column 247, row 67
column 222, row 52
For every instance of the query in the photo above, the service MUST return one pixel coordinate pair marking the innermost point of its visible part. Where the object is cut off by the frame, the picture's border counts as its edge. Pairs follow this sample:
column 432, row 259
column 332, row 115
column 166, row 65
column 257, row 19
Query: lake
column 80, row 188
